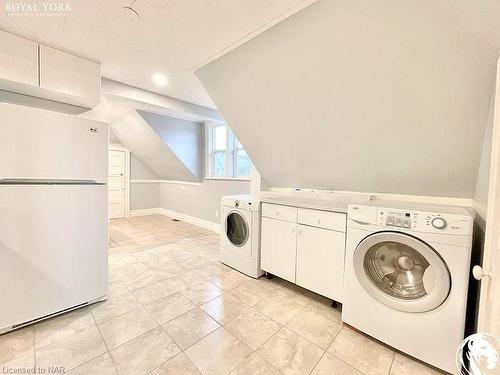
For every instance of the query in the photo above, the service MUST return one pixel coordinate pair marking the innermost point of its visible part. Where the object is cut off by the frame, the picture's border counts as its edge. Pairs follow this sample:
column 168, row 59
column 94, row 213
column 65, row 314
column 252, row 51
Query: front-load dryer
column 240, row 234
column 407, row 273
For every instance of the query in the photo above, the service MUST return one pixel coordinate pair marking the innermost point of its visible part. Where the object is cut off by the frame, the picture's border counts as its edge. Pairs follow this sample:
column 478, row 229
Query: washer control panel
column 397, row 218
column 430, row 222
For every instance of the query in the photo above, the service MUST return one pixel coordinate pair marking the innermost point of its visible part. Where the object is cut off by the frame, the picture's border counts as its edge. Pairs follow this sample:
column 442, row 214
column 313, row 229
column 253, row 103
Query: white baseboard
column 147, row 211
column 210, row 225
column 202, row 223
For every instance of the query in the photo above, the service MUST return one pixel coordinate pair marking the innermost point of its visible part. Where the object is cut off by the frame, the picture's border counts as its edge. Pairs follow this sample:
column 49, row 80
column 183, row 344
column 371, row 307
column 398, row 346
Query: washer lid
column 402, row 272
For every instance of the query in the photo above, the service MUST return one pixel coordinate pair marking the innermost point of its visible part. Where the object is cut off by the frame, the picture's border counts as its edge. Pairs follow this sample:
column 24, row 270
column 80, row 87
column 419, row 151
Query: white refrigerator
column 53, row 214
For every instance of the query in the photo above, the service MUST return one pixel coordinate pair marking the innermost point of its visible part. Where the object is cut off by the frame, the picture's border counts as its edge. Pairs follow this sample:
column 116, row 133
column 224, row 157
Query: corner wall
column 200, row 201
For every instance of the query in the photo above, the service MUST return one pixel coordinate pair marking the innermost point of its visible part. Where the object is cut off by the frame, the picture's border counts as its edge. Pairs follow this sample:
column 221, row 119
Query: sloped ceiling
column 136, row 134
column 379, row 96
column 184, row 138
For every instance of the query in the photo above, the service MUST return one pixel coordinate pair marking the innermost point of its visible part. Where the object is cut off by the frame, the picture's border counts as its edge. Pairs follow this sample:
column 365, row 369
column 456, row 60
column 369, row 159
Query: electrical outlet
column 216, row 213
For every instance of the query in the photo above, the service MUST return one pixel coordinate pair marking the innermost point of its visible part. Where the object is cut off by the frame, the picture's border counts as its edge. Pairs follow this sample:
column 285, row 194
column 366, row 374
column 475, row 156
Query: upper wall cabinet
column 18, row 59
column 39, row 71
column 70, row 75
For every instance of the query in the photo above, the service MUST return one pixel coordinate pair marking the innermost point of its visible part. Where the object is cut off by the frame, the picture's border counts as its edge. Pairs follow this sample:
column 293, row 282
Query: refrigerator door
column 43, row 145
column 53, row 249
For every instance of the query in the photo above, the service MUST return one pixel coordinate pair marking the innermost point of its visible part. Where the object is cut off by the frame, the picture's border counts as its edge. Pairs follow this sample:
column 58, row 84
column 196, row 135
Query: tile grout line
column 105, row 344
column 392, row 363
column 317, row 363
column 34, row 347
column 346, row 363
column 90, row 359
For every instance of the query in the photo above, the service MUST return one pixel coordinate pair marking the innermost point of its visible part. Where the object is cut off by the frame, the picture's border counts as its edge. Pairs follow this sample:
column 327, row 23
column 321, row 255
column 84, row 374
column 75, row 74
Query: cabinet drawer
column 322, row 219
column 279, row 212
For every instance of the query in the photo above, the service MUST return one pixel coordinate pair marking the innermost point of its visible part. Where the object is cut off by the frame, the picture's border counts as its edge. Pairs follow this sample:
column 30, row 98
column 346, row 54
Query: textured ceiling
column 172, row 36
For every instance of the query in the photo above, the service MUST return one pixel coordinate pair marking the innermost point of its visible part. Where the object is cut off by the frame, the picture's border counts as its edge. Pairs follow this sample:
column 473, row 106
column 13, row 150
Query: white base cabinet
column 278, row 248
column 305, row 247
column 320, row 261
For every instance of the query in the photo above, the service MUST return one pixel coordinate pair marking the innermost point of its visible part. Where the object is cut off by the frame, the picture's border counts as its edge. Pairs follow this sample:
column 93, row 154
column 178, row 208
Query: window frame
column 231, row 171
column 235, row 150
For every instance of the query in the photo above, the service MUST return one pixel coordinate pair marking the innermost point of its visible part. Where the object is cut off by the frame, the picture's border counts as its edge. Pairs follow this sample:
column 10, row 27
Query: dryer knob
column 236, row 204
column 438, row 223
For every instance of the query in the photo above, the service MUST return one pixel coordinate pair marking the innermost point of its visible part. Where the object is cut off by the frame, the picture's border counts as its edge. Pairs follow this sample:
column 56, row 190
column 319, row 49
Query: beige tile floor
column 173, row 308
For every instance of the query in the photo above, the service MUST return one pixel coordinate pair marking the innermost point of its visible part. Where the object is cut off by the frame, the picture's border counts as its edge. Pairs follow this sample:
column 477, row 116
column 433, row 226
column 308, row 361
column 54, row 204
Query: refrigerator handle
column 33, row 181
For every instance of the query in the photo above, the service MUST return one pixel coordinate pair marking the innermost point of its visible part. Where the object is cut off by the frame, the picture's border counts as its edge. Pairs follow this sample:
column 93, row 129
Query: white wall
column 139, row 170
column 483, row 176
column 200, row 201
column 144, row 196
column 375, row 96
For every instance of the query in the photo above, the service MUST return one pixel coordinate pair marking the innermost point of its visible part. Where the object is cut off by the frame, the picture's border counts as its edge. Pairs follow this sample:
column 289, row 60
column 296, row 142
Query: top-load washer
column 240, row 233
column 407, row 274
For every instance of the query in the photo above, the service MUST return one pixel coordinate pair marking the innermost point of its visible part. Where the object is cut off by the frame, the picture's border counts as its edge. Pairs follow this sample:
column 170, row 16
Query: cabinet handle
column 293, row 230
column 300, row 232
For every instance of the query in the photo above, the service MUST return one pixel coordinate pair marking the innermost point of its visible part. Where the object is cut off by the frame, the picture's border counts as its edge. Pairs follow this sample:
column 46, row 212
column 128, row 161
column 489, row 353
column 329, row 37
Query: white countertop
column 333, row 205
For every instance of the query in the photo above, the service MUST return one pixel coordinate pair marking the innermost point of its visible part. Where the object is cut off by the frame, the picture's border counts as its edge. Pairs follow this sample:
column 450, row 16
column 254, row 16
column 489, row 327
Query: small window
column 220, row 151
column 225, row 155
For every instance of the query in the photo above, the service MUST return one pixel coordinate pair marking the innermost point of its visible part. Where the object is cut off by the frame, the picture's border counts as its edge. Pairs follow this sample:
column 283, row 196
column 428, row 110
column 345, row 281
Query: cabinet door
column 18, row 59
column 320, row 261
column 278, row 248
column 67, row 74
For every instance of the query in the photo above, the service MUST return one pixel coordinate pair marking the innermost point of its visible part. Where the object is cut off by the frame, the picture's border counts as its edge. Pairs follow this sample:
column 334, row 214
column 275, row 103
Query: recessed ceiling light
column 128, row 14
column 159, row 79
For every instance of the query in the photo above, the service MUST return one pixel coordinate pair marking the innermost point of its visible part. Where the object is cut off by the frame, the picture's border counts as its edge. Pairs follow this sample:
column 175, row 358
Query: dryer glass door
column 402, row 272
column 236, row 229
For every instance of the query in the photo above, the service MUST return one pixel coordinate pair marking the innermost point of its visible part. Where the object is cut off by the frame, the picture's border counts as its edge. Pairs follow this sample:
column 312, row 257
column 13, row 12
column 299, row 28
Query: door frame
column 119, row 147
column 488, row 310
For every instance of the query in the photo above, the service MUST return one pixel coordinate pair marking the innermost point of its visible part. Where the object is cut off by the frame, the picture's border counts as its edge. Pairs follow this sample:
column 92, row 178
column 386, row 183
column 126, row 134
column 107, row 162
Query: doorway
column 118, row 183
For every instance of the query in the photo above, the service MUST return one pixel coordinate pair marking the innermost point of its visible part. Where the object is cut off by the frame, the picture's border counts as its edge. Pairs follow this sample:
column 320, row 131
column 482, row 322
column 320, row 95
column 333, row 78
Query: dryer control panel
column 420, row 221
column 242, row 205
